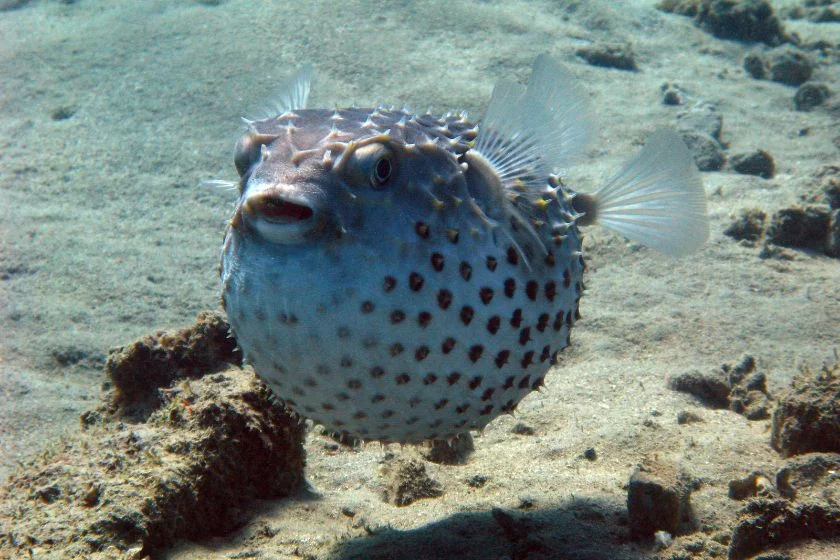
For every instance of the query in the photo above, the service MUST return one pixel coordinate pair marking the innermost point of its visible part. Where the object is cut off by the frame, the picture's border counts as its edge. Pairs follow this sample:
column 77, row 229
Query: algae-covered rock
column 211, row 436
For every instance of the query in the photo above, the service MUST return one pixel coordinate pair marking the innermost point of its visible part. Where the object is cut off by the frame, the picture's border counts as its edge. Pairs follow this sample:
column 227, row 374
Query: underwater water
column 113, row 113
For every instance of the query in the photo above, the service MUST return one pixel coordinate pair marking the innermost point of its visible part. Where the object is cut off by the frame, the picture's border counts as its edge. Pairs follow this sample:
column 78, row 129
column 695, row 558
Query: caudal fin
column 657, row 198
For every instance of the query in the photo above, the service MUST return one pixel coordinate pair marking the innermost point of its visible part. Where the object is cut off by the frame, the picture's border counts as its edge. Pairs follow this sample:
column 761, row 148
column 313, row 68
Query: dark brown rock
column 407, row 482
column 756, row 65
column 807, row 417
column 744, row 20
column 767, row 523
column 707, row 152
column 802, row 228
column 657, row 499
column 181, row 470
column 832, row 244
column 712, row 390
column 811, row 476
column 755, row 484
column 810, row 95
column 135, row 487
column 138, row 370
column 758, row 163
column 789, row 65
column 610, row 55
column 748, row 226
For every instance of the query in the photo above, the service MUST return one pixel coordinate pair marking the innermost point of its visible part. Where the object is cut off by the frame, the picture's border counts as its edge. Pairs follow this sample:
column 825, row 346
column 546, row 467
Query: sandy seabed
column 112, row 112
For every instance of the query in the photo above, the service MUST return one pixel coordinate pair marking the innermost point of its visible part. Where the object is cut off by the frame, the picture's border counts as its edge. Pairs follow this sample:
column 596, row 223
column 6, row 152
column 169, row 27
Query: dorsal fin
column 529, row 132
column 290, row 95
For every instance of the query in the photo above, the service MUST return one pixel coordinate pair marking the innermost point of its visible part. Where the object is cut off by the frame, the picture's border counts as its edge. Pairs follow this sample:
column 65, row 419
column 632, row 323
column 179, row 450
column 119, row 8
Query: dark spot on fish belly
column 512, row 256
column 421, row 353
column 444, row 298
column 516, row 318
column 510, row 287
column 424, row 318
column 415, row 281
column 389, row 283
column 447, row 345
column 531, row 289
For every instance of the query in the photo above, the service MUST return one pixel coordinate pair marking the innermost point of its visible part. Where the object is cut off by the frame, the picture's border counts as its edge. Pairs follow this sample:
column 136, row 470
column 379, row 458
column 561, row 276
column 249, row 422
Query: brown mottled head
column 314, row 174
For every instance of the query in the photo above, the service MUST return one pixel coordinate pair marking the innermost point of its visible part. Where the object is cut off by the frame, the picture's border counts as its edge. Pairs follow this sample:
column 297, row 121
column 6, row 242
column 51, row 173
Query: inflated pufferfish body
column 405, row 277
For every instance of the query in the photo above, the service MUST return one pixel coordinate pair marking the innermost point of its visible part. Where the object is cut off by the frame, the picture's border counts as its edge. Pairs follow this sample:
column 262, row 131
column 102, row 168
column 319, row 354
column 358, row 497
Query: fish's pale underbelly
column 402, row 353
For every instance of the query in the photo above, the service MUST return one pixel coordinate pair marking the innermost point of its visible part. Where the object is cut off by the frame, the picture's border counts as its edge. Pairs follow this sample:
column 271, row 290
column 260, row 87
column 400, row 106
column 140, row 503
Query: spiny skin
column 417, row 308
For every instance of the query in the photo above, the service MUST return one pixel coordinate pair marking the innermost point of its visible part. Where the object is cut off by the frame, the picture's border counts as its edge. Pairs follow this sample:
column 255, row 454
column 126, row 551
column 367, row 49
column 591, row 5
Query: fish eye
column 381, row 172
column 371, row 165
column 248, row 150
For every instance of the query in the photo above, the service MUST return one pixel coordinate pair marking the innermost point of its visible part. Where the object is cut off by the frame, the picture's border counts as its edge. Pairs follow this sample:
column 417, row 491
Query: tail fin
column 657, row 198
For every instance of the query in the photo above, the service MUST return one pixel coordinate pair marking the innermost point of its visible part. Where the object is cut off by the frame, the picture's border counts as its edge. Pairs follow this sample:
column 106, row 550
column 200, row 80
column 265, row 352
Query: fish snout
column 280, row 215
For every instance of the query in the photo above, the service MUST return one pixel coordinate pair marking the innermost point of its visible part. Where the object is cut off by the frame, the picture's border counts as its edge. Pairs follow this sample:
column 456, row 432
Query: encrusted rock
column 766, row 523
column 139, row 369
column 756, row 65
column 807, row 417
column 810, row 95
column 129, row 484
column 408, row 482
column 755, row 484
column 758, row 163
column 804, row 228
column 790, row 66
column 813, row 475
column 748, row 226
column 612, row 55
column 707, row 152
column 712, row 390
column 832, row 244
column 657, row 499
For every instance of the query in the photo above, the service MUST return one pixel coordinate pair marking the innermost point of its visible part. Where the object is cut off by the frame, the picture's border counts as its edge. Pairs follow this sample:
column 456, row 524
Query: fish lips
column 281, row 217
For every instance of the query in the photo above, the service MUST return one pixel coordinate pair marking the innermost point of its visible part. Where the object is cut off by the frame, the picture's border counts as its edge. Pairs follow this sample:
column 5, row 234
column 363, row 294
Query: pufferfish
column 405, row 277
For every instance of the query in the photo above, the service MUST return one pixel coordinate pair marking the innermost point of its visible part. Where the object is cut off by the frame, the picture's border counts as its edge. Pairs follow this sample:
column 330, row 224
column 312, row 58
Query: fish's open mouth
column 277, row 210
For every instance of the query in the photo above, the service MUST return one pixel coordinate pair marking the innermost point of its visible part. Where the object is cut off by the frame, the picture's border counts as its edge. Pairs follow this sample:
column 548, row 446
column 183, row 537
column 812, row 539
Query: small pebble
column 521, row 429
column 672, row 94
column 810, row 95
column 758, row 163
column 756, row 66
column 789, row 65
column 748, row 226
column 611, row 55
